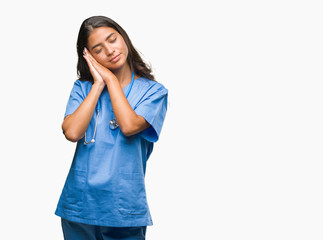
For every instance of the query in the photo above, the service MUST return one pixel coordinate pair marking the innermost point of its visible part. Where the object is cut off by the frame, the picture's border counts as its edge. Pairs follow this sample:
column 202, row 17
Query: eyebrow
column 105, row 40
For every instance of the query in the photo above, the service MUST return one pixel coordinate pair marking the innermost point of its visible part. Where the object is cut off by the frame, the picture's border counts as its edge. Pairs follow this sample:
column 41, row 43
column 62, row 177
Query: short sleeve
column 75, row 99
column 153, row 107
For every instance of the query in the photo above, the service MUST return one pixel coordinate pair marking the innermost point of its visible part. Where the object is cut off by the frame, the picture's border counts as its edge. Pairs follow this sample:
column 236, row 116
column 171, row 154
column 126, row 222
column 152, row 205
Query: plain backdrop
column 240, row 154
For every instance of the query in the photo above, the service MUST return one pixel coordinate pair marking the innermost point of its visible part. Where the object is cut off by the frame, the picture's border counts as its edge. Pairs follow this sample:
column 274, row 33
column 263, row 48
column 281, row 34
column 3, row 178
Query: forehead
column 100, row 34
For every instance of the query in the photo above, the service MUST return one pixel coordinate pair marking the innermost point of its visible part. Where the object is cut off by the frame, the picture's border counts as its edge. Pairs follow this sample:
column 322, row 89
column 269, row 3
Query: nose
column 109, row 49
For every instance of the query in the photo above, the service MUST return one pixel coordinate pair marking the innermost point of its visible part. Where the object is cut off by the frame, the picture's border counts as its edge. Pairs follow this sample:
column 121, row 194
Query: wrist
column 110, row 79
column 98, row 85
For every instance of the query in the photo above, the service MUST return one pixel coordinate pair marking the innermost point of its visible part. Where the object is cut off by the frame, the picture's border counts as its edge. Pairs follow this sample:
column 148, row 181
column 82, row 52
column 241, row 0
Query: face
column 108, row 47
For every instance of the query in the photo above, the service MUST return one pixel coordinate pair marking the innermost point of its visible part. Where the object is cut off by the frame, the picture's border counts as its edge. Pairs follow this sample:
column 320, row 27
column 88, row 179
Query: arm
column 75, row 125
column 129, row 122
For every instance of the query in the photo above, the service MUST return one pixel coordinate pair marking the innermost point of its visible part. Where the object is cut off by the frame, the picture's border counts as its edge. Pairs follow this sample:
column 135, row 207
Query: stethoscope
column 113, row 123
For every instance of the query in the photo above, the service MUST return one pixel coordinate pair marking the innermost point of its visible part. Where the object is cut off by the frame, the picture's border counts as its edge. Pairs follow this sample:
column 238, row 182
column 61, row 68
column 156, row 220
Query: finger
column 95, row 74
column 87, row 52
column 87, row 60
column 90, row 59
column 89, row 63
column 96, row 66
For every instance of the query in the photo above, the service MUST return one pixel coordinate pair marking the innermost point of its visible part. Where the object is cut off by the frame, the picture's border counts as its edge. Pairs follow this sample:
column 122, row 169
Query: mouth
column 115, row 58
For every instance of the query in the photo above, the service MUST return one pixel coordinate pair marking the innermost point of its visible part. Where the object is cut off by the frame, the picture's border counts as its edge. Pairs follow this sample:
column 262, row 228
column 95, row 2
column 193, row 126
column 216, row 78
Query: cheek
column 124, row 47
column 100, row 58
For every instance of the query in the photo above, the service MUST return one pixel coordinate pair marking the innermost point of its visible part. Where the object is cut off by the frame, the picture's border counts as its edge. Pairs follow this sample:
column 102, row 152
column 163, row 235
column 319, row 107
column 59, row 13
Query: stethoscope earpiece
column 86, row 143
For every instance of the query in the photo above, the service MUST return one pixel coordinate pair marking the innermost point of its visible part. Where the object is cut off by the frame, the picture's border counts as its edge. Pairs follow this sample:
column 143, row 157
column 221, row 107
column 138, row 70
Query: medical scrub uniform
column 105, row 185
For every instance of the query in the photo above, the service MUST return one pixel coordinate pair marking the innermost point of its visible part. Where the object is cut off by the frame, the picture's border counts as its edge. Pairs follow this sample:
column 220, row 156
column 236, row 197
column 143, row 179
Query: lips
column 115, row 58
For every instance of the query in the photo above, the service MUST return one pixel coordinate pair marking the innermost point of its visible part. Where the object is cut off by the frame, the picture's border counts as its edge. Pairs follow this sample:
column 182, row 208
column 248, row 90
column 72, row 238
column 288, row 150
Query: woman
column 115, row 113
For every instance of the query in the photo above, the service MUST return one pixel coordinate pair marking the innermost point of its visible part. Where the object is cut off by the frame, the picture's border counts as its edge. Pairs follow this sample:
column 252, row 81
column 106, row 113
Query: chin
column 116, row 67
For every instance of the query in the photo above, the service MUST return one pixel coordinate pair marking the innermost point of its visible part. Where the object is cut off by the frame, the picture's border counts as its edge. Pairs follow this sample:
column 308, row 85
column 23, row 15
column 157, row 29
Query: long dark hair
column 134, row 59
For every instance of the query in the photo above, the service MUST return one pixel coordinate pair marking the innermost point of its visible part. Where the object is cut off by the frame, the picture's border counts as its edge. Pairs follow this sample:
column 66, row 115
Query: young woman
column 115, row 113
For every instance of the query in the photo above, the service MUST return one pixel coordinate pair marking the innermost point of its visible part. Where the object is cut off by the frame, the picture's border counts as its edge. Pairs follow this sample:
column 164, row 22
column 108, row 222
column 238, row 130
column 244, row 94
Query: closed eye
column 98, row 51
column 113, row 40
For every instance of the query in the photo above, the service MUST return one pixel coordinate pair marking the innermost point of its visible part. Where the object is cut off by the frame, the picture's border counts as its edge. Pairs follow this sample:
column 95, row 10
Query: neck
column 123, row 75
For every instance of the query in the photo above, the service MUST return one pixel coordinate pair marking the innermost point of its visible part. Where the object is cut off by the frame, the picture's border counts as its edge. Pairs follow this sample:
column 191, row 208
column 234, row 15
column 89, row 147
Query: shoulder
column 82, row 86
column 147, row 86
column 83, row 83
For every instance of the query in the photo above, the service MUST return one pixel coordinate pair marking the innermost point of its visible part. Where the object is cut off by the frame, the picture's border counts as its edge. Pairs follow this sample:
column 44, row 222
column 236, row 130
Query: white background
column 240, row 154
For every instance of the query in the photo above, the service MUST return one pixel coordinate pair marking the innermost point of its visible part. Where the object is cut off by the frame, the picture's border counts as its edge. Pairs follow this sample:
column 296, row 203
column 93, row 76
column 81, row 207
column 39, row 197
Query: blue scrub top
column 105, row 185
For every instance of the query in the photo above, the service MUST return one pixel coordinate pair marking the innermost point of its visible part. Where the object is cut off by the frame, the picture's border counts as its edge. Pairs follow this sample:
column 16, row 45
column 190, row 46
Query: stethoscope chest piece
column 113, row 124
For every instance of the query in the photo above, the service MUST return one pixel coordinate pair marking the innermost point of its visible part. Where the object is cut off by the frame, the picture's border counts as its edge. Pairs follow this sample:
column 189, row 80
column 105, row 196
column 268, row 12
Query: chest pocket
column 132, row 194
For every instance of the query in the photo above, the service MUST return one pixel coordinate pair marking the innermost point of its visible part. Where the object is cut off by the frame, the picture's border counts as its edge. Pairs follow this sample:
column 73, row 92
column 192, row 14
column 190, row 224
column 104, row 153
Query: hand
column 100, row 73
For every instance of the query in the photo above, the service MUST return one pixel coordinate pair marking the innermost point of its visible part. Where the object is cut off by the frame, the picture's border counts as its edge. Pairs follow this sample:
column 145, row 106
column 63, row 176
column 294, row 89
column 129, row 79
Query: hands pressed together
column 75, row 125
column 99, row 73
